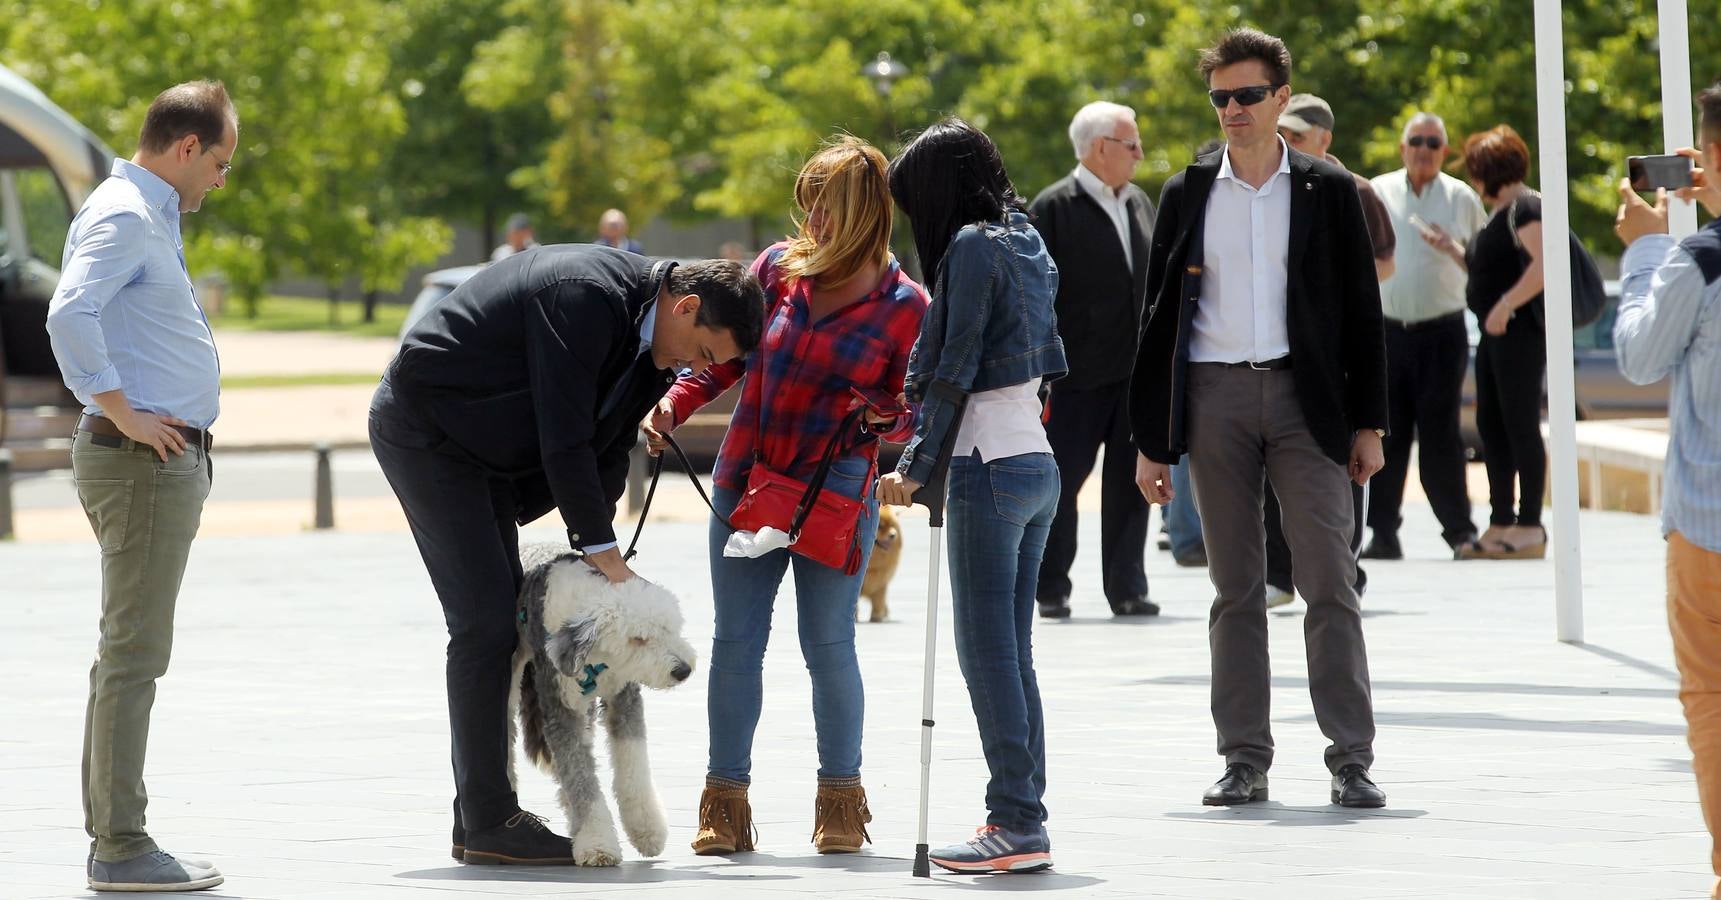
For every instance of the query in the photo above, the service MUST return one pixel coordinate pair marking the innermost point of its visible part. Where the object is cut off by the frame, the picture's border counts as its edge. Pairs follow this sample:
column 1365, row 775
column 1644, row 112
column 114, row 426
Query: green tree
column 318, row 116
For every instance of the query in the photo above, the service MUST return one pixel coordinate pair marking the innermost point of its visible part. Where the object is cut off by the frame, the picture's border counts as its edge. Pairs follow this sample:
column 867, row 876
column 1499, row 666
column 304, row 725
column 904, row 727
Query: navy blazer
column 1332, row 314
column 532, row 370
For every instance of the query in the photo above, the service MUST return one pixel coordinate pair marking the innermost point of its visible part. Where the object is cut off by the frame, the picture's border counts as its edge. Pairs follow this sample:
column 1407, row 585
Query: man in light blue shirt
column 134, row 346
column 1669, row 326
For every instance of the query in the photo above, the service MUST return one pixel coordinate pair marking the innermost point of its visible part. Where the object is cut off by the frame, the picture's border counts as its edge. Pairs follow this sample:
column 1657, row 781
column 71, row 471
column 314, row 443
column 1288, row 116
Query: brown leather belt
column 105, row 433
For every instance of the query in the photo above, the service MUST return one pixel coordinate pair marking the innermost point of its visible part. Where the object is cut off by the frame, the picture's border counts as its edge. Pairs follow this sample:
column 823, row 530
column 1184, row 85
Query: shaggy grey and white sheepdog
column 586, row 647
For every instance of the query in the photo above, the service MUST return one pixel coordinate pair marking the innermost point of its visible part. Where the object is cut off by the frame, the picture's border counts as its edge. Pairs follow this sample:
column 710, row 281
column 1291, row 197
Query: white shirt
column 1114, row 203
column 1426, row 283
column 1247, row 239
column 1003, row 422
column 507, row 250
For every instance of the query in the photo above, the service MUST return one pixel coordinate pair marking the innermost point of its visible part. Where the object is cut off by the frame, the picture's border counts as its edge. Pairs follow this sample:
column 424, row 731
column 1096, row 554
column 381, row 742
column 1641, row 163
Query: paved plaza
column 300, row 737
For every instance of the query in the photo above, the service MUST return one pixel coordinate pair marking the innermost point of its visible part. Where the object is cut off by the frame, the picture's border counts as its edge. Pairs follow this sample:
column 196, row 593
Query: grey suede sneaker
column 156, row 871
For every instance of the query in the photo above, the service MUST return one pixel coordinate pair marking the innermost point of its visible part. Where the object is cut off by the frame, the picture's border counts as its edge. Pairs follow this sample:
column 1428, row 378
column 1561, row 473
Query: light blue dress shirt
column 1669, row 325
column 125, row 316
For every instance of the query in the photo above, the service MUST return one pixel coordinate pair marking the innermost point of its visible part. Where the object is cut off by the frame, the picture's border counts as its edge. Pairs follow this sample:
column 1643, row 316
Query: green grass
column 229, row 382
column 280, row 313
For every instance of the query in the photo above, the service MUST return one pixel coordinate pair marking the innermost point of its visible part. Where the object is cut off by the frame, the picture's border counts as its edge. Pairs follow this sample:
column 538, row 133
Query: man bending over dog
column 519, row 392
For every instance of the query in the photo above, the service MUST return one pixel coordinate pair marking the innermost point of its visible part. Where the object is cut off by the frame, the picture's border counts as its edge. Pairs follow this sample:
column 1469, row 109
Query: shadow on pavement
column 1280, row 814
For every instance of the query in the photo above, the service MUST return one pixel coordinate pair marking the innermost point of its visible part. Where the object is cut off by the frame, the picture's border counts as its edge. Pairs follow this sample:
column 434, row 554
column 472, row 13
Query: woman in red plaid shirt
column 842, row 315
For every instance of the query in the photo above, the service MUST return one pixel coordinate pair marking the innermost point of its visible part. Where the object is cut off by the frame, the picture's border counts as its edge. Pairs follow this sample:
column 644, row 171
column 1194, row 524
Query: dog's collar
column 589, row 681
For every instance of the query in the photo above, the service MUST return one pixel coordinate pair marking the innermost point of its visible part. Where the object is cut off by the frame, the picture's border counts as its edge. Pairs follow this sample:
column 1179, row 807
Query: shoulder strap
column 1705, row 249
column 811, row 497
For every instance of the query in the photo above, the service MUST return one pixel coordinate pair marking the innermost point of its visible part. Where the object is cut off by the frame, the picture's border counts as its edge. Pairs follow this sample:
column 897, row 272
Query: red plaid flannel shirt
column 806, row 369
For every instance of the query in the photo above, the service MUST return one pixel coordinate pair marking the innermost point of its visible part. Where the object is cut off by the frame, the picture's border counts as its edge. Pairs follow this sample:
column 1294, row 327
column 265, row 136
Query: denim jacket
column 991, row 325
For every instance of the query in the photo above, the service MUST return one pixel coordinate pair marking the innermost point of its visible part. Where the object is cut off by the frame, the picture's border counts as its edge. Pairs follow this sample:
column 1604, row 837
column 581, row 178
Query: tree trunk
column 371, row 298
column 334, row 305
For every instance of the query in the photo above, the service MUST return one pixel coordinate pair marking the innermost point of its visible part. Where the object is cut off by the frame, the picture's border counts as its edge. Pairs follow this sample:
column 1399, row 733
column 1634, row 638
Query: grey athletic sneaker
column 156, row 871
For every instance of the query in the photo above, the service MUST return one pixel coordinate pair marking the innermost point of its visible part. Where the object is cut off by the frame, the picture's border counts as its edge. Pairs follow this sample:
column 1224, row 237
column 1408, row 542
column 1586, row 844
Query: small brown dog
column 886, row 553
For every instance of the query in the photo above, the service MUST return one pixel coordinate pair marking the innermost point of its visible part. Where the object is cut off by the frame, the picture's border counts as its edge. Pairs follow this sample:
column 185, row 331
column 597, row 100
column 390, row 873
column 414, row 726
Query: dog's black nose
column 681, row 671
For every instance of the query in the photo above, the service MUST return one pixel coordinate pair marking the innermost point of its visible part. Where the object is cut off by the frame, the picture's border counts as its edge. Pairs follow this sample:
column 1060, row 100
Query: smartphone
column 1420, row 225
column 1647, row 173
column 880, row 402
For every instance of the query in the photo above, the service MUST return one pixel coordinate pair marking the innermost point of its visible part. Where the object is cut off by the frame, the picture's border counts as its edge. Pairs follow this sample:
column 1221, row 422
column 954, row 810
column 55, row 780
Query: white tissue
column 750, row 544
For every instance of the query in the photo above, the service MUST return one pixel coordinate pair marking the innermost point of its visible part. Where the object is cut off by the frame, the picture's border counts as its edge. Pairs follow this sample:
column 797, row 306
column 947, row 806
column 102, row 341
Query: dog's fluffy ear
column 570, row 644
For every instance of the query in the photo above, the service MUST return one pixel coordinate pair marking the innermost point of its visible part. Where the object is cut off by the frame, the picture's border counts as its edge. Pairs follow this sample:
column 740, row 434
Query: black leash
column 656, row 472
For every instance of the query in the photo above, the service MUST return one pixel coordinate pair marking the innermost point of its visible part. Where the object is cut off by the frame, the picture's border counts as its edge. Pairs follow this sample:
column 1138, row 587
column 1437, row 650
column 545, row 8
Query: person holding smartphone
column 992, row 336
column 842, row 316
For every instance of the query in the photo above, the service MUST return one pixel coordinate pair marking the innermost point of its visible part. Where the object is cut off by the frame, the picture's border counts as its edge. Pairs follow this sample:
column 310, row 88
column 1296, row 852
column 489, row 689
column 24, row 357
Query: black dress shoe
column 1135, row 606
column 1054, row 607
column 1383, row 546
column 1242, row 783
column 523, row 840
column 458, row 850
column 1353, row 788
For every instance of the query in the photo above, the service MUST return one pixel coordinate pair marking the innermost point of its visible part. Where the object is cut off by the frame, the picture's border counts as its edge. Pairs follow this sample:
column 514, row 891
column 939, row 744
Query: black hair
column 730, row 298
column 1245, row 44
column 949, row 176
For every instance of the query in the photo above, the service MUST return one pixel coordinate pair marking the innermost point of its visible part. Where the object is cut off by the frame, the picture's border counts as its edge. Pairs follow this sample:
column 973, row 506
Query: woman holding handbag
column 990, row 335
column 842, row 316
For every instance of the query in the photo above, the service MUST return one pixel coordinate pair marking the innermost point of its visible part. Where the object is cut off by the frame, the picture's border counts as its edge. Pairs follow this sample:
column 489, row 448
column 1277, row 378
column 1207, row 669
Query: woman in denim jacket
column 990, row 334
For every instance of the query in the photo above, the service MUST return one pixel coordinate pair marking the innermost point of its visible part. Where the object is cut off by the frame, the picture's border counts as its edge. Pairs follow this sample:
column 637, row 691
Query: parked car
column 1602, row 392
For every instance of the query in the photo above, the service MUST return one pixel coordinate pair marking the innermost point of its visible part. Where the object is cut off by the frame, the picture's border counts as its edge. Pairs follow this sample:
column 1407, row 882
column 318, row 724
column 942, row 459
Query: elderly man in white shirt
column 1427, row 350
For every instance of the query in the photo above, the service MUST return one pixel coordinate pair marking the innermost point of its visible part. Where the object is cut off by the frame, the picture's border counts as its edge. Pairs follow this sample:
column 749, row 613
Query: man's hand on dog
column 660, row 423
column 611, row 564
column 896, row 489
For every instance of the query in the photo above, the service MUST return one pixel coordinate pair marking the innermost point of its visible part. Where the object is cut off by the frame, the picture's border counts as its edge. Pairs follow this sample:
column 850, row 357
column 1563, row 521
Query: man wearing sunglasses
column 1264, row 358
column 1096, row 224
column 1427, row 350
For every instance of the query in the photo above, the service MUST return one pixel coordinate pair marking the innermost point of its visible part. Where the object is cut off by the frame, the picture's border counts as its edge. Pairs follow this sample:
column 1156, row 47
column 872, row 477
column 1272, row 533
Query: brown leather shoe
column 725, row 818
column 840, row 815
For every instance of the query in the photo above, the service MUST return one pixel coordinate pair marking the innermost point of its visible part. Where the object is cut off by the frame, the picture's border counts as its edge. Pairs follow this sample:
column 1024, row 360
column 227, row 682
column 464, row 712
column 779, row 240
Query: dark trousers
column 1509, row 373
column 1425, row 364
column 1081, row 421
column 1245, row 427
column 464, row 522
column 1281, row 573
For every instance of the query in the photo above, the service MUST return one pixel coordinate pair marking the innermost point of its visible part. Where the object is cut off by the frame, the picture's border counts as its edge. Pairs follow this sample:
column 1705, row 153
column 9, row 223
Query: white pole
column 1676, row 101
column 1557, row 291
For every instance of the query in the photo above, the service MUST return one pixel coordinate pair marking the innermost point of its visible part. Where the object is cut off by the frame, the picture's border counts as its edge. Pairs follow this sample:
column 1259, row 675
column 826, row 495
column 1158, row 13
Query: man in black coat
column 518, row 393
column 1264, row 356
column 1096, row 224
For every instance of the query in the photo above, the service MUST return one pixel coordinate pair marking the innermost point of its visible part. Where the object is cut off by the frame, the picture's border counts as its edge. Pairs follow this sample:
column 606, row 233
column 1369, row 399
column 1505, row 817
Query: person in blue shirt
column 1669, row 326
column 134, row 346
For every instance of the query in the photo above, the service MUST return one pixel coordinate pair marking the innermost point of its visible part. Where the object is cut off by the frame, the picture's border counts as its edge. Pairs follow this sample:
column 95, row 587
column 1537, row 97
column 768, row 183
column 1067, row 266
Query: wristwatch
column 1379, row 432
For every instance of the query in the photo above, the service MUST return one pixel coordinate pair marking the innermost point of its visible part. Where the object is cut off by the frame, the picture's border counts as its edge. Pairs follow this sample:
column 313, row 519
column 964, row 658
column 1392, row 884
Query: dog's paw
column 597, row 856
column 649, row 835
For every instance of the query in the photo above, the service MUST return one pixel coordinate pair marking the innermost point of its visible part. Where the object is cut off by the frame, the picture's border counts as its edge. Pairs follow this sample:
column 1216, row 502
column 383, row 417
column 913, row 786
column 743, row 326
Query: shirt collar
column 647, row 325
column 155, row 191
column 1284, row 164
column 1094, row 186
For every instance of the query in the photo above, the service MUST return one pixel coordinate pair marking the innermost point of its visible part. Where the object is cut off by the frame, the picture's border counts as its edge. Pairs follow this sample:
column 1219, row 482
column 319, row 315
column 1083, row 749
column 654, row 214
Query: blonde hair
column 846, row 182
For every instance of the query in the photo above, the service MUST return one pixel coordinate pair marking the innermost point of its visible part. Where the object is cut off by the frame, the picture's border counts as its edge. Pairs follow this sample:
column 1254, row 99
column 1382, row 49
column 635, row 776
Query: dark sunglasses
column 1432, row 142
column 1248, row 96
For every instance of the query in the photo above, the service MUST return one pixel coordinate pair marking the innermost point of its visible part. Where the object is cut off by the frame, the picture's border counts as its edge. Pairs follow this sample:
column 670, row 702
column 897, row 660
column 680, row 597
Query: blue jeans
column 1182, row 521
column 999, row 516
column 744, row 591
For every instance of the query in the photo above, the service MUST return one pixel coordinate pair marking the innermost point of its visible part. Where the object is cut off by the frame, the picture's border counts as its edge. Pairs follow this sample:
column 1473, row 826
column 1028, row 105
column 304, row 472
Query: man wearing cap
column 1307, row 126
column 1427, row 349
column 520, row 237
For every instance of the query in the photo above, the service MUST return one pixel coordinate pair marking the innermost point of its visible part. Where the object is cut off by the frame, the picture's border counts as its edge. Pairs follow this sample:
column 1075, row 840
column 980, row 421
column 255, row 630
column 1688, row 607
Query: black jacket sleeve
column 1363, row 331
column 1150, row 383
column 572, row 327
